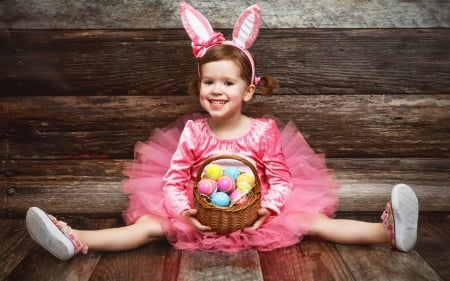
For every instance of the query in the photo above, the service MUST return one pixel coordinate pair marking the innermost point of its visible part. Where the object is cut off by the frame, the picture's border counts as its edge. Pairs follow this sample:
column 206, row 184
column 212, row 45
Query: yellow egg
column 244, row 185
column 213, row 171
column 246, row 177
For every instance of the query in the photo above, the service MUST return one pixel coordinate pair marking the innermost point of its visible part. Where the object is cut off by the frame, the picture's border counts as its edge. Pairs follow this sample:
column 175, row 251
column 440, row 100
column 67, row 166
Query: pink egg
column 238, row 197
column 206, row 187
column 225, row 184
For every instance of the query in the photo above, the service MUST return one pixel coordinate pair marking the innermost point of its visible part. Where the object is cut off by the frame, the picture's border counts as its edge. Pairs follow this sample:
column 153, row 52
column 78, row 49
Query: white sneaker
column 400, row 218
column 53, row 235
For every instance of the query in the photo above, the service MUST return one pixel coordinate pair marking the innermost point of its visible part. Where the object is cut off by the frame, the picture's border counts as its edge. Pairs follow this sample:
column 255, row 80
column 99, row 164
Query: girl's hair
column 268, row 84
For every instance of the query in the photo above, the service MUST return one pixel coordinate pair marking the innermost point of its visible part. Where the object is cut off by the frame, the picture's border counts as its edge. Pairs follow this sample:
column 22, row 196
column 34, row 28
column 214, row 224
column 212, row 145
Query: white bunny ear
column 195, row 24
column 247, row 27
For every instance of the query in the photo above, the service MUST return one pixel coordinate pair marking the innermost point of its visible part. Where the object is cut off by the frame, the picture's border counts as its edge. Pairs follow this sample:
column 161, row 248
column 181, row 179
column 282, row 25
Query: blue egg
column 232, row 172
column 220, row 199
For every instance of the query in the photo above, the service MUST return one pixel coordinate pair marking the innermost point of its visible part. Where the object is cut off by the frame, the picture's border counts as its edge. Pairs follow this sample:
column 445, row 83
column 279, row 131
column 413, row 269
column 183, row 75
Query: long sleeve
column 179, row 174
column 277, row 172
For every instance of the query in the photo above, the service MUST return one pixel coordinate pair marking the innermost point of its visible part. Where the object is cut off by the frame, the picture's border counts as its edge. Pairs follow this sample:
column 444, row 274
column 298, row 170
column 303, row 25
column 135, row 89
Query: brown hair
column 268, row 84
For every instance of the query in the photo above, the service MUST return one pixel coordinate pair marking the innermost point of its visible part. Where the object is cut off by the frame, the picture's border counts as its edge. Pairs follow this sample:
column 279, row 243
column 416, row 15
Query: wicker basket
column 225, row 220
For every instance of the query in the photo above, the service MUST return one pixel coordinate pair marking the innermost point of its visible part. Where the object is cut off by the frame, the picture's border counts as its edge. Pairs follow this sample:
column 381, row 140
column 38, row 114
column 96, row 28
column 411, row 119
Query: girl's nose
column 218, row 89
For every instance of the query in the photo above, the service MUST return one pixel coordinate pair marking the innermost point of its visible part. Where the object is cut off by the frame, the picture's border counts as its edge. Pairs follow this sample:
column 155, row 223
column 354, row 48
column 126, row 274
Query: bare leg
column 144, row 230
column 348, row 231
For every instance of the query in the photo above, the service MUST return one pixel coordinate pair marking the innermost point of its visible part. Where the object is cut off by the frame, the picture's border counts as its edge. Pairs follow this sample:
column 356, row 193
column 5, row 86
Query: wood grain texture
column 14, row 245
column 305, row 261
column 92, row 187
column 219, row 266
column 276, row 14
column 381, row 263
column 149, row 262
column 432, row 248
column 109, row 126
column 306, row 61
column 433, row 243
column 41, row 265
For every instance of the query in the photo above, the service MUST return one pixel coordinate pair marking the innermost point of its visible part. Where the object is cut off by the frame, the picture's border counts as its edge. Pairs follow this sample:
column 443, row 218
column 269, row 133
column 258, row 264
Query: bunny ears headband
column 203, row 36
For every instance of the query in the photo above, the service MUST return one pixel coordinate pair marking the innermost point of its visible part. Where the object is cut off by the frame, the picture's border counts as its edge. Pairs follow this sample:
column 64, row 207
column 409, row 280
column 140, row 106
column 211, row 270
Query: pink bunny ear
column 247, row 27
column 199, row 30
column 195, row 24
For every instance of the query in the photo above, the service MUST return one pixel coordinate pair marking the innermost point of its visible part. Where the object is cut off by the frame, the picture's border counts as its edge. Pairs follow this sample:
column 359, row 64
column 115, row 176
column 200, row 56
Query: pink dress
column 295, row 182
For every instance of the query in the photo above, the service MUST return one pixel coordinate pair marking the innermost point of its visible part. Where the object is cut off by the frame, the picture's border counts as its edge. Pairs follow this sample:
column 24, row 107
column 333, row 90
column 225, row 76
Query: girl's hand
column 189, row 215
column 263, row 214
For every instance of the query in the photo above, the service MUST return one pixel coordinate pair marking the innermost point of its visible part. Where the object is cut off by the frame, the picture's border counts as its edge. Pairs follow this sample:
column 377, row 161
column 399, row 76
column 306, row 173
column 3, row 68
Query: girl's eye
column 207, row 82
column 228, row 83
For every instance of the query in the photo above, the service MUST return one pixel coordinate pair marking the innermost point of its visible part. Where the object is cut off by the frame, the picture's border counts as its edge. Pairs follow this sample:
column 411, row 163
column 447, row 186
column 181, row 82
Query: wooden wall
column 73, row 102
column 163, row 14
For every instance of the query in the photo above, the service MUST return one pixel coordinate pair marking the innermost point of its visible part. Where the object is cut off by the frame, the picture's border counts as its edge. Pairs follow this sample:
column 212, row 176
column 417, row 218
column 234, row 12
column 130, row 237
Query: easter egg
column 206, row 187
column 238, row 197
column 244, row 185
column 232, row 172
column 225, row 184
column 246, row 177
column 213, row 171
column 220, row 199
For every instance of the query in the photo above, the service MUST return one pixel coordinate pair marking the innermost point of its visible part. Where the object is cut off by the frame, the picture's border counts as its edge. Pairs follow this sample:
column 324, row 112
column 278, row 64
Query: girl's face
column 222, row 89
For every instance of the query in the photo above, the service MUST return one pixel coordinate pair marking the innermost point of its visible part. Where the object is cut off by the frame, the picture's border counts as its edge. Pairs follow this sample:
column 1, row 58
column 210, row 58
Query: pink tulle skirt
column 315, row 191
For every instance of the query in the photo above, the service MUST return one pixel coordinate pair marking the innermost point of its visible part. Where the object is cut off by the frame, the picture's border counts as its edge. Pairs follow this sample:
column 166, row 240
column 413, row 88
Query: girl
column 299, row 194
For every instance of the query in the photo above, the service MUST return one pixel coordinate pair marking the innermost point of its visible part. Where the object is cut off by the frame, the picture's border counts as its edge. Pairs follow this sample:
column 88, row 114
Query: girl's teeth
column 217, row 102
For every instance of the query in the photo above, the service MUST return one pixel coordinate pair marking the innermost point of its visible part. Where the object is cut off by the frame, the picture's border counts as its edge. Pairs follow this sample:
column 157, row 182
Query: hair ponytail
column 268, row 85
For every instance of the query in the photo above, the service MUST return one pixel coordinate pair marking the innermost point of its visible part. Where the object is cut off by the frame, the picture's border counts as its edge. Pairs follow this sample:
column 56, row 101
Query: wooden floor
column 22, row 259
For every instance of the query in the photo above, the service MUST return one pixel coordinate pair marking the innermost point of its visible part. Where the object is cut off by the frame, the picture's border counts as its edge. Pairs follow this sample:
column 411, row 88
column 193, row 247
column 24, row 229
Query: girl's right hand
column 189, row 215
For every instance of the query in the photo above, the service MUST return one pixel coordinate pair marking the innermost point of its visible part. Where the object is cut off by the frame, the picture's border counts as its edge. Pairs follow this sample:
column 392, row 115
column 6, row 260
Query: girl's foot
column 53, row 235
column 400, row 218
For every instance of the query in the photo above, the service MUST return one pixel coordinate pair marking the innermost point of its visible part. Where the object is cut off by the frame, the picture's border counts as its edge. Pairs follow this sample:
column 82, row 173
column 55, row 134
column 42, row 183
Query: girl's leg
column 399, row 226
column 144, row 230
column 64, row 242
column 348, row 231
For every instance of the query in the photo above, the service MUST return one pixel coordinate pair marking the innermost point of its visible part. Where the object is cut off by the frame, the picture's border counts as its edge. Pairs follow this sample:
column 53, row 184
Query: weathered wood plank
column 72, row 196
column 308, row 61
column 108, row 127
column 349, row 168
column 367, row 184
column 381, row 263
column 156, row 261
column 309, row 260
column 366, row 196
column 200, row 265
column 14, row 245
column 105, row 199
column 433, row 242
column 41, row 265
column 165, row 14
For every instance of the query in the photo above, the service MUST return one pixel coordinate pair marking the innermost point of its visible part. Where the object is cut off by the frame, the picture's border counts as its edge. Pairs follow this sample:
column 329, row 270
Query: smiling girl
column 298, row 193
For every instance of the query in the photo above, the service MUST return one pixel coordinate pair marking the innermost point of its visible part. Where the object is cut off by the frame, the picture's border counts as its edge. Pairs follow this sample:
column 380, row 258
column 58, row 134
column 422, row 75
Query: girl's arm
column 277, row 171
column 179, row 174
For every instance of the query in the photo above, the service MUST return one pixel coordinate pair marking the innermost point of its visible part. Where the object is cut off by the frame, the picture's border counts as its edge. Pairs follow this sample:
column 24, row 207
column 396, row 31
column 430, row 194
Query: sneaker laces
column 67, row 231
column 389, row 224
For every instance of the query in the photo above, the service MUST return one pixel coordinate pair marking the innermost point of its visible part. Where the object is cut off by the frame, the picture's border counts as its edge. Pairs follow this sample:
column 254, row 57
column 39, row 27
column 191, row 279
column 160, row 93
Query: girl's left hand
column 263, row 214
column 189, row 215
